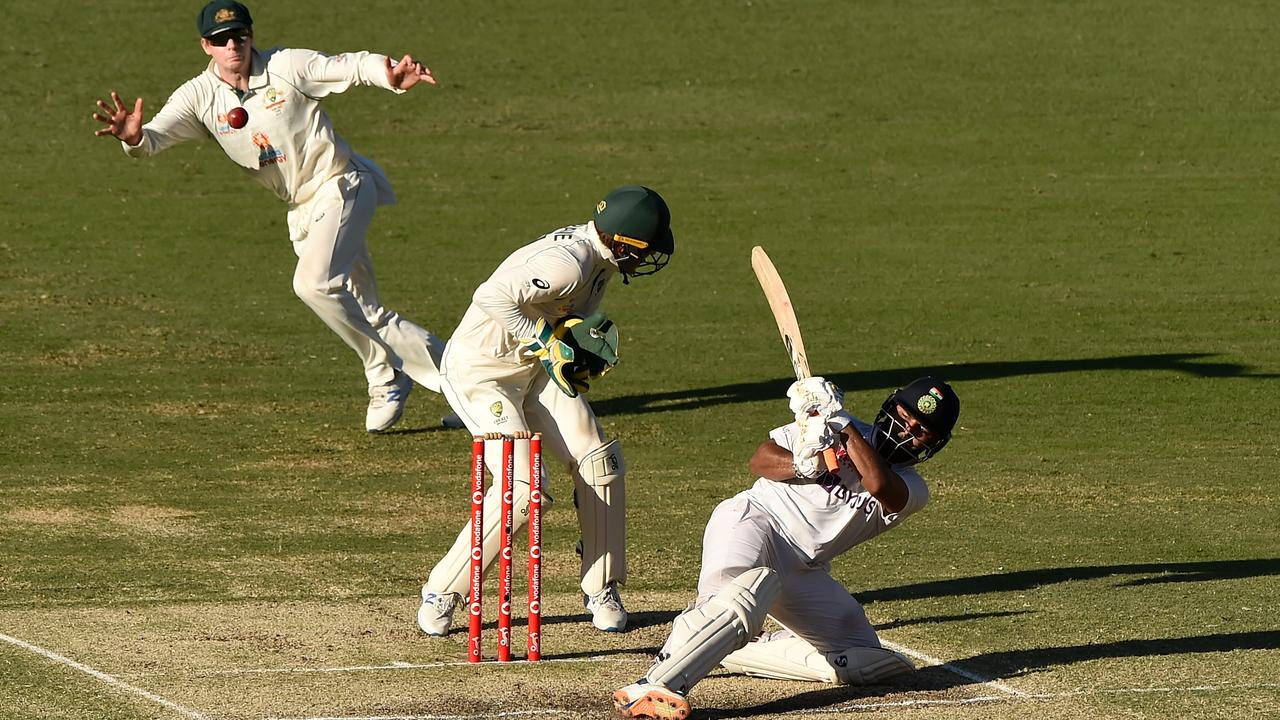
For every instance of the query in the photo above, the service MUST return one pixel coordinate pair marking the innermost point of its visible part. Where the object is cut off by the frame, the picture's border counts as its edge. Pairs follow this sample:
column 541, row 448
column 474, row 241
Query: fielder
column 521, row 358
column 768, row 550
column 263, row 109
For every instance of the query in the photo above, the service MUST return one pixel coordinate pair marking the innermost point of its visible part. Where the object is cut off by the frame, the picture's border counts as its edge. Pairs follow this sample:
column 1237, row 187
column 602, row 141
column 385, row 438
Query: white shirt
column 826, row 518
column 289, row 144
column 565, row 272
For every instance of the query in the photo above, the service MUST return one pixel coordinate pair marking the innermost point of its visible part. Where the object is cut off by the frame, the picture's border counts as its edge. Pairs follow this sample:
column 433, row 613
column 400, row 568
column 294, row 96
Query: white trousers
column 334, row 277
column 492, row 396
column 812, row 604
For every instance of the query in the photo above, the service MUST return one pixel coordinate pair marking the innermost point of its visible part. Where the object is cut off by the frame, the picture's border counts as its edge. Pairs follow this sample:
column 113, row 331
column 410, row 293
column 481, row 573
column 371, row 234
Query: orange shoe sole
column 653, row 704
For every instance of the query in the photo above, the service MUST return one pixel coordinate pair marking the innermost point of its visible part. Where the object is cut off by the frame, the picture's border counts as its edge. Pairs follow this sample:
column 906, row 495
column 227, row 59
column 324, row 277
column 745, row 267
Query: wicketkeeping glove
column 815, row 436
column 815, row 396
column 556, row 356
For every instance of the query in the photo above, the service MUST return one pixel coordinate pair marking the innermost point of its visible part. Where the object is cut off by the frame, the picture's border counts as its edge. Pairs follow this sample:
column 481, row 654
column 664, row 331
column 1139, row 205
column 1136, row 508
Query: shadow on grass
column 1030, row 579
column 936, row 619
column 1004, row 665
column 871, row 379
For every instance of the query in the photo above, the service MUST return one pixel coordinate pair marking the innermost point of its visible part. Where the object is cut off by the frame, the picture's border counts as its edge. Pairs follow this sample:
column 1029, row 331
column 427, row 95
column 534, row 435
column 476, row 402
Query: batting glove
column 815, row 396
column 816, row 435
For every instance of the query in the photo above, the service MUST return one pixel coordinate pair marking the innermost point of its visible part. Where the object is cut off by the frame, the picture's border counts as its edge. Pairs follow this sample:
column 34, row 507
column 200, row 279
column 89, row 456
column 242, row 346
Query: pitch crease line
column 409, row 666
column 974, row 677
column 508, row 714
column 108, row 679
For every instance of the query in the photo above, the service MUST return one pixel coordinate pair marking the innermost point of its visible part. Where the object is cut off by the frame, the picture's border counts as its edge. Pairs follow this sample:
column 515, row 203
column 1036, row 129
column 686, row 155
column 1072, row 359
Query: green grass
column 1066, row 208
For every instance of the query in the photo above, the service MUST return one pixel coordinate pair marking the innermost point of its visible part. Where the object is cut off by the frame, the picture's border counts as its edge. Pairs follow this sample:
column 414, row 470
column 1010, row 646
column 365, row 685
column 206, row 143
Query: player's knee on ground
column 703, row 635
column 600, row 497
column 792, row 658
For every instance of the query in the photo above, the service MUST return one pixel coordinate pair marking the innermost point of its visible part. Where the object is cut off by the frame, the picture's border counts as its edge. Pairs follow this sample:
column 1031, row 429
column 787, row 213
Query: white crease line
column 847, row 707
column 855, row 706
column 511, row 714
column 953, row 669
column 399, row 665
column 185, row 712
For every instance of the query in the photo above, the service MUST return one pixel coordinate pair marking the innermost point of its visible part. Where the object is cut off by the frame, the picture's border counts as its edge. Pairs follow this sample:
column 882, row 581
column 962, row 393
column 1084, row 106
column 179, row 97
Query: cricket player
column 768, row 550
column 525, row 351
column 263, row 109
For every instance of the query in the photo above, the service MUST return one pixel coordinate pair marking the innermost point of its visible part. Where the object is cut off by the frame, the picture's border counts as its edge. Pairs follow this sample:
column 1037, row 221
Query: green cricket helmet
column 639, row 223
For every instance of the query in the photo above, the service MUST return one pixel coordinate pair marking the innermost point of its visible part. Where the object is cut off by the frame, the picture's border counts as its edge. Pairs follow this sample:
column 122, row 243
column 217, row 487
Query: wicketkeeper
column 767, row 551
column 525, row 352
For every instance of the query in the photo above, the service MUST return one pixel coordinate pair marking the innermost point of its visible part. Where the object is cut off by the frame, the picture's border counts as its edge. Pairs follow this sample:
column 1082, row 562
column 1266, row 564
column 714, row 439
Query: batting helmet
column 933, row 404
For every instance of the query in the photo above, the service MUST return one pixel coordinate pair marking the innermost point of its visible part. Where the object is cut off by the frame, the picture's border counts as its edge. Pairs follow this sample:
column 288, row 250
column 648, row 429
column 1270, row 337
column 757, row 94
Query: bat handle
column 829, row 455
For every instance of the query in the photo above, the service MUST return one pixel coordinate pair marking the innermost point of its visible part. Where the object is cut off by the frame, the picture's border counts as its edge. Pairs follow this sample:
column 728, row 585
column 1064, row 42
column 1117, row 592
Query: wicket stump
column 506, row 525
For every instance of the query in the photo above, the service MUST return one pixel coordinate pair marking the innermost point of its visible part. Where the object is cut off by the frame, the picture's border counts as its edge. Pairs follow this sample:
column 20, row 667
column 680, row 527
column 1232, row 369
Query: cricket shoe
column 386, row 403
column 435, row 615
column 606, row 609
column 644, row 699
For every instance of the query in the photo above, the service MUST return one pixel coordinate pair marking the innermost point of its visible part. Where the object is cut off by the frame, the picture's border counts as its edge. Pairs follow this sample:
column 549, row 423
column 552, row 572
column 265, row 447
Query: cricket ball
column 238, row 117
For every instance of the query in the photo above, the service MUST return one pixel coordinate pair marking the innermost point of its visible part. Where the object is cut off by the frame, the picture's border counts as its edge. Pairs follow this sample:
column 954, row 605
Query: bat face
column 795, row 353
column 783, row 313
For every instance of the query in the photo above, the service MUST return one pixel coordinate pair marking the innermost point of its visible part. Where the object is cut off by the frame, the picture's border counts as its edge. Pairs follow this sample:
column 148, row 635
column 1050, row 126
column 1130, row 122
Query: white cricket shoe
column 386, row 403
column 606, row 609
column 435, row 615
column 644, row 699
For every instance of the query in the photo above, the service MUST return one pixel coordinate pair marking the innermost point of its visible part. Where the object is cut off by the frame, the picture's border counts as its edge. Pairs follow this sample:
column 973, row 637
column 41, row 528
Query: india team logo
column 927, row 404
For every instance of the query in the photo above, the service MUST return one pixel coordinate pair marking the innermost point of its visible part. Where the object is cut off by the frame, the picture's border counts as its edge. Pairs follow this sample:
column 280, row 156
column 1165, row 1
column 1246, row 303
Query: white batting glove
column 815, row 396
column 815, row 436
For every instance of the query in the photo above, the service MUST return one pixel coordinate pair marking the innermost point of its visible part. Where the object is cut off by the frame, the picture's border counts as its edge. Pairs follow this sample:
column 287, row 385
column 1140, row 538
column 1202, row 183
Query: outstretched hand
column 407, row 73
column 119, row 121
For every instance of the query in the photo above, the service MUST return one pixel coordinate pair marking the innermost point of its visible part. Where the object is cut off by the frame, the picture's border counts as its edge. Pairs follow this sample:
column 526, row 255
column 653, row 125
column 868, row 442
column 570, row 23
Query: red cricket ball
column 238, row 117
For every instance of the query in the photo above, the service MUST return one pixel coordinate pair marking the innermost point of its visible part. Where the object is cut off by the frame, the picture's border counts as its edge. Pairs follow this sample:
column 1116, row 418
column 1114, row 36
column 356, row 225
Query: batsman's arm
column 773, row 462
column 878, row 478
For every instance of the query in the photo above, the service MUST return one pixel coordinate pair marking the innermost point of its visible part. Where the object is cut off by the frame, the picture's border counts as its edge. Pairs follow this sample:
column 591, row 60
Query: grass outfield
column 1069, row 209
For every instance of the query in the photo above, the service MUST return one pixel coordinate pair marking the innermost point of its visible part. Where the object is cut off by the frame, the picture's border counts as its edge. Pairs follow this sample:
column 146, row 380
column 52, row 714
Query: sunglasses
column 221, row 39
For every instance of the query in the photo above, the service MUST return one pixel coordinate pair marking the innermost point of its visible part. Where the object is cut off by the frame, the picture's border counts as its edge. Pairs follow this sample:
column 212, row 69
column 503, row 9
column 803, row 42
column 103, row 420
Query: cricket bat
column 785, row 315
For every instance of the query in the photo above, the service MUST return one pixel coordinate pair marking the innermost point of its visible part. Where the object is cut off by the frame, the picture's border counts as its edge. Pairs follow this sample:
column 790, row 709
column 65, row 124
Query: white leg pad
column 600, row 495
column 702, row 636
column 791, row 658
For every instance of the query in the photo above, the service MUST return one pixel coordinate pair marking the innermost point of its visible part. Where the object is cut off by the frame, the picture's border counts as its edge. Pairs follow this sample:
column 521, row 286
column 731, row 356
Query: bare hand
column 119, row 122
column 407, row 73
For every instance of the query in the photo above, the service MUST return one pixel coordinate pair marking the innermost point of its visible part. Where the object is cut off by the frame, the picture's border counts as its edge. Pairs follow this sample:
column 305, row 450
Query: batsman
column 767, row 551
column 527, row 349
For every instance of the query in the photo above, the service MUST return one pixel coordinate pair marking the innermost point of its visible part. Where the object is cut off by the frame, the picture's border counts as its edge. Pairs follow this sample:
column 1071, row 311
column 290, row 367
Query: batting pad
column 600, row 494
column 704, row 635
column 791, row 658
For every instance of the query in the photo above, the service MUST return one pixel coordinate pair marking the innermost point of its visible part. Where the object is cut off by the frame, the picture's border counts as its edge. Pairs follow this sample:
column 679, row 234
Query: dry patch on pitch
column 132, row 519
column 42, row 516
column 364, row 657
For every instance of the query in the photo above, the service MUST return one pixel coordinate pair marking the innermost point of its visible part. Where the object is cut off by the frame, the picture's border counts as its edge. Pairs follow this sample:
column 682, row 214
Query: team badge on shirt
column 496, row 409
column 275, row 100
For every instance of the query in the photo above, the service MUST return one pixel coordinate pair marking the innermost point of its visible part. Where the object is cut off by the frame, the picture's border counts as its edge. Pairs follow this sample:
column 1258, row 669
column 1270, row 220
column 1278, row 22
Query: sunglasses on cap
column 221, row 39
